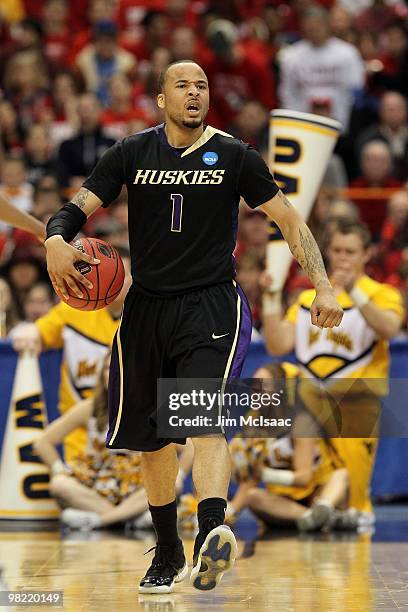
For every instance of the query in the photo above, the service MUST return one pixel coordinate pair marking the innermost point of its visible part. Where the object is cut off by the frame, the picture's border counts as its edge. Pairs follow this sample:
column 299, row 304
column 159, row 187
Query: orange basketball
column 106, row 277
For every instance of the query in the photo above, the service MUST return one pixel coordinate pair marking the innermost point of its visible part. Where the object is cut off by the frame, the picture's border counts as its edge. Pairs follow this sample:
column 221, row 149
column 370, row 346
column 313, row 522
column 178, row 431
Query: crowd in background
column 76, row 76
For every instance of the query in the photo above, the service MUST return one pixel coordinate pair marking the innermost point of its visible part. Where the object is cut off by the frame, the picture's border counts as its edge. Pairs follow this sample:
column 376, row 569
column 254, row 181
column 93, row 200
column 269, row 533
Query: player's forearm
column 305, row 250
column 68, row 221
column 299, row 238
column 17, row 218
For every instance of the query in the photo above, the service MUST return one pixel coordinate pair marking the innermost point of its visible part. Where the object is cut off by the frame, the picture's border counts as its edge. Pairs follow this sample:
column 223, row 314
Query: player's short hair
column 163, row 74
column 349, row 226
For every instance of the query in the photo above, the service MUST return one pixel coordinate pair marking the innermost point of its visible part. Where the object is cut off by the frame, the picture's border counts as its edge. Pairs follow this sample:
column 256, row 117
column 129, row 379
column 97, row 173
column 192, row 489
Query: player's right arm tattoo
column 80, row 198
column 308, row 255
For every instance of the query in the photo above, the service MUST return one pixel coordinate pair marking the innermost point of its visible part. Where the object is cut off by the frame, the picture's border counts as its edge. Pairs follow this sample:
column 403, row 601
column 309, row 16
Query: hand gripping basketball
column 61, row 259
column 99, row 269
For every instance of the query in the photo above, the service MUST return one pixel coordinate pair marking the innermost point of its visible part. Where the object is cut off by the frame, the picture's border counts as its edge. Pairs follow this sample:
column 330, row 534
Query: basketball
column 107, row 277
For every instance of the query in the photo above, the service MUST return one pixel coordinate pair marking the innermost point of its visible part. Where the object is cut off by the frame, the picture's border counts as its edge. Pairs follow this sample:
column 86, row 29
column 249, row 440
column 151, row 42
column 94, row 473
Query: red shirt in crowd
column 233, row 84
column 57, row 46
column 77, row 17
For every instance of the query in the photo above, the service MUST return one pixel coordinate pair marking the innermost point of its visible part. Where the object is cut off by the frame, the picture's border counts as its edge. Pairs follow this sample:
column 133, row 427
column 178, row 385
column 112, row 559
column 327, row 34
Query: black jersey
column 183, row 205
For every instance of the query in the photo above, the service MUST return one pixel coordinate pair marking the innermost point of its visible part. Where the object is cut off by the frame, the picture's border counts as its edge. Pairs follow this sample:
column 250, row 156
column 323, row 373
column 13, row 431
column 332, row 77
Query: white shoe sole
column 166, row 589
column 217, row 555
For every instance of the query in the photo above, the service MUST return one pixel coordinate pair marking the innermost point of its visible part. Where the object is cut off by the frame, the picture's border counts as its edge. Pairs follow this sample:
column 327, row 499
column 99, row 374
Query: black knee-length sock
column 165, row 523
column 211, row 509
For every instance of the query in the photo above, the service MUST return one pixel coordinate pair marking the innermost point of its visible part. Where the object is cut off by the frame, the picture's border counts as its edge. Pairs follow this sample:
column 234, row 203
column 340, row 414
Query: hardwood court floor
column 100, row 571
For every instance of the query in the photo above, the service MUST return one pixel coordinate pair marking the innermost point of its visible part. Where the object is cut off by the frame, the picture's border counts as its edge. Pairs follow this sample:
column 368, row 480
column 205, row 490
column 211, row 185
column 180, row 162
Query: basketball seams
column 97, row 274
column 111, row 271
column 113, row 277
column 84, row 290
column 112, row 297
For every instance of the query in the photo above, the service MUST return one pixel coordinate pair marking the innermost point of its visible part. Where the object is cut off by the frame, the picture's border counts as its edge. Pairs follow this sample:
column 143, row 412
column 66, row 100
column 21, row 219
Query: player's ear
column 160, row 100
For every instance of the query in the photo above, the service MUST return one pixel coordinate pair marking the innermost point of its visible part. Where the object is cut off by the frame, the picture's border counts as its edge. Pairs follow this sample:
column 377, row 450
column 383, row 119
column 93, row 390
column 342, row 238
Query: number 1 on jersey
column 177, row 213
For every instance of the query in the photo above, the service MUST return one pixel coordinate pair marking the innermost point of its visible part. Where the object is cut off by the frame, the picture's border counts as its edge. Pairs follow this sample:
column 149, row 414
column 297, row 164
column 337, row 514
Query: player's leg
column 169, row 565
column 211, row 466
column 211, row 343
column 136, row 363
column 215, row 547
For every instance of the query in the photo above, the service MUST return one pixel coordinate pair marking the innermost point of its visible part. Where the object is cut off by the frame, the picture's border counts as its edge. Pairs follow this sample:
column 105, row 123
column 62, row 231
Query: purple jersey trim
column 113, row 389
column 244, row 337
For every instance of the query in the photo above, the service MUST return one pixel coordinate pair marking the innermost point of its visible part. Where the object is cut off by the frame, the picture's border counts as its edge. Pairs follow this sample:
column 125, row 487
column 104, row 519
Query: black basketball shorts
column 203, row 334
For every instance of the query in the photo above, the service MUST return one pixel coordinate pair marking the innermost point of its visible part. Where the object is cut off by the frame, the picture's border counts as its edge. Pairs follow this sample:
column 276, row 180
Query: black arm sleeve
column 67, row 222
column 255, row 183
column 108, row 176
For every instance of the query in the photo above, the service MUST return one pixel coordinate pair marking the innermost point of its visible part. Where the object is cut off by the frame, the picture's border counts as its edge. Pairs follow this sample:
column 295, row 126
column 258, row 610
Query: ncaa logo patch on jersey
column 210, row 158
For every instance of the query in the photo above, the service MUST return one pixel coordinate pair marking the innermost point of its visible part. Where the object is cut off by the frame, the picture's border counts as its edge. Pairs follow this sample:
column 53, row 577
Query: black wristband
column 67, row 222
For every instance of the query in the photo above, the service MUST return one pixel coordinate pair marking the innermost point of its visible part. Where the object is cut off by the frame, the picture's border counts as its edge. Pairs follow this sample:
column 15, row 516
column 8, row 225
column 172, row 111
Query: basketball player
column 17, row 218
column 347, row 358
column 184, row 316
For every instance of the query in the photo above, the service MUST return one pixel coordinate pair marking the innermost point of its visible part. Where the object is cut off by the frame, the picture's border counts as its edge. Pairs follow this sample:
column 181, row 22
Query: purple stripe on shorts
column 244, row 336
column 113, row 390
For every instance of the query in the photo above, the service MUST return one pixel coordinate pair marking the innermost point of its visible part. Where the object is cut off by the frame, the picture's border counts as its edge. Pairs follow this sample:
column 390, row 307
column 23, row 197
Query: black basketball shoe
column 215, row 551
column 168, row 566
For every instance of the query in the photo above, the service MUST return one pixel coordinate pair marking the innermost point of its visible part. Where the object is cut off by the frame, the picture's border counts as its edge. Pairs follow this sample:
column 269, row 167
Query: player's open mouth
column 193, row 109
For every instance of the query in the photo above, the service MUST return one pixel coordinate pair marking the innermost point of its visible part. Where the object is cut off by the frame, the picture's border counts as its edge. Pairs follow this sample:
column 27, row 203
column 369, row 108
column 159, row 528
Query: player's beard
column 192, row 123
